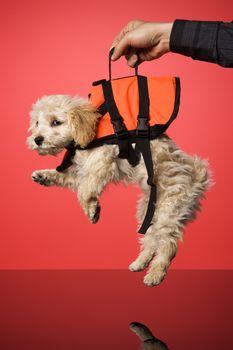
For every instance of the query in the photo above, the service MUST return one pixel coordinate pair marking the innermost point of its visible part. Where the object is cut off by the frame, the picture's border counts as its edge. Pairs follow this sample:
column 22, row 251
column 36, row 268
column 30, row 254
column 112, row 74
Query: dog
column 181, row 179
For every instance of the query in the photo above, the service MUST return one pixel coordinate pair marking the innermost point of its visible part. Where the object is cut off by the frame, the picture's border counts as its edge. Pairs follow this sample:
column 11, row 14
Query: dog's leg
column 99, row 169
column 89, row 192
column 146, row 255
column 179, row 192
column 165, row 251
column 151, row 242
column 148, row 250
column 158, row 241
column 51, row 177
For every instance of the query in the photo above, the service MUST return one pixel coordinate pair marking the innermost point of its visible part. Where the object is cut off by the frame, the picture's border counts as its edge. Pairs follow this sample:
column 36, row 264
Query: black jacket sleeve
column 203, row 40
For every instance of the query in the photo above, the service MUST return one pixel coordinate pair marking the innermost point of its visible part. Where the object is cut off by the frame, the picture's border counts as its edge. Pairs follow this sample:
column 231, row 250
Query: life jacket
column 135, row 110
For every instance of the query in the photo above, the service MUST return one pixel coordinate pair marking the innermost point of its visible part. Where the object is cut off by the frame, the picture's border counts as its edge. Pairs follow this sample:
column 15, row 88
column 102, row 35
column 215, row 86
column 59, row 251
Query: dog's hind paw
column 142, row 261
column 42, row 177
column 136, row 266
column 155, row 278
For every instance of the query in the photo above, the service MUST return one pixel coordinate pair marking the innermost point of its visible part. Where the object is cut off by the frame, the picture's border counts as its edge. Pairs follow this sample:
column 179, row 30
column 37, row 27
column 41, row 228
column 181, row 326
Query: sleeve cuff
column 196, row 39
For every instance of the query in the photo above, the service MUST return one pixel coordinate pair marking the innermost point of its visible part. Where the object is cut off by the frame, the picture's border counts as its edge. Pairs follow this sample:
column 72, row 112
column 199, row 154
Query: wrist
column 166, row 35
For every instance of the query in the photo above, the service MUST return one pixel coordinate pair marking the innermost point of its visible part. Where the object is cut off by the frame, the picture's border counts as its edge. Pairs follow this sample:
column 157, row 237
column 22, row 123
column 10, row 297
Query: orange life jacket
column 134, row 109
column 163, row 103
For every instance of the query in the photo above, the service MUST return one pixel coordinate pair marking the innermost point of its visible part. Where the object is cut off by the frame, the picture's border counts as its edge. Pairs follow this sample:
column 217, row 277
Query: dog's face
column 56, row 120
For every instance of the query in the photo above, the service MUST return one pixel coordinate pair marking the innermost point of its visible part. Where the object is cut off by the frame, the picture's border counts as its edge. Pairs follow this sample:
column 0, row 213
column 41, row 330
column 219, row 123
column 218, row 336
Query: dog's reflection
column 148, row 340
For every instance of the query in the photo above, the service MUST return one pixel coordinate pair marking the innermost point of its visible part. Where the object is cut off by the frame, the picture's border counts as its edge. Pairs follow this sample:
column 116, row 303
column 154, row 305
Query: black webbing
column 126, row 150
column 67, row 159
column 143, row 146
column 144, row 101
column 142, row 130
column 102, row 109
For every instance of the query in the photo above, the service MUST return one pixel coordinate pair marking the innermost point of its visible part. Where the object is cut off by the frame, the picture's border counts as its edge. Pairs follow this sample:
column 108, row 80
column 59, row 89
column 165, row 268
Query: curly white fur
column 181, row 179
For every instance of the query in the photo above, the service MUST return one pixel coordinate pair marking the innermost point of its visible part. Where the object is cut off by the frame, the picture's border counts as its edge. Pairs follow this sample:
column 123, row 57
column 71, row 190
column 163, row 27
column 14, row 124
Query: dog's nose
column 38, row 140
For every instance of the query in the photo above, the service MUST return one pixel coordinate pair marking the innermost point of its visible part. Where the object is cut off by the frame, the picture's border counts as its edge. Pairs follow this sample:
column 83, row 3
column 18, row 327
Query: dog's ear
column 83, row 120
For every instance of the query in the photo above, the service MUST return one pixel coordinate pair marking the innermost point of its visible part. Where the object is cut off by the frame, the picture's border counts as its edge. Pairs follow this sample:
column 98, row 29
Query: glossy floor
column 73, row 310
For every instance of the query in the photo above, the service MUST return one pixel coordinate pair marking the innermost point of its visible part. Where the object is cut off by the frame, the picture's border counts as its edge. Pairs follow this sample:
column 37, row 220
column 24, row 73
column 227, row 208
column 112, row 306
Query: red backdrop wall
column 50, row 47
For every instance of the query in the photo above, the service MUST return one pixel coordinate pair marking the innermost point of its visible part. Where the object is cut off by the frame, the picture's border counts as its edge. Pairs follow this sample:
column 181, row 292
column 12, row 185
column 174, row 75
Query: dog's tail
column 203, row 176
column 202, row 181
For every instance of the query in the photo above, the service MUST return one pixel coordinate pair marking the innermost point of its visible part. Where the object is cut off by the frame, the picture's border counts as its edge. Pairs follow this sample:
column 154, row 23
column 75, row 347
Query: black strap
column 102, row 109
column 143, row 146
column 67, row 159
column 126, row 150
column 143, row 129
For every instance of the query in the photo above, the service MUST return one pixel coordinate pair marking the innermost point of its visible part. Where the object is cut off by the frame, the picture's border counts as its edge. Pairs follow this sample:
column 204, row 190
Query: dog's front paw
column 93, row 211
column 43, row 177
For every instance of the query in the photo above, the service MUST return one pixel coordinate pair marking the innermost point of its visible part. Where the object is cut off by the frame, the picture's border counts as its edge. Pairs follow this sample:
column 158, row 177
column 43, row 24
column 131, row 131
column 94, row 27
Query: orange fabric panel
column 125, row 91
column 162, row 92
column 104, row 127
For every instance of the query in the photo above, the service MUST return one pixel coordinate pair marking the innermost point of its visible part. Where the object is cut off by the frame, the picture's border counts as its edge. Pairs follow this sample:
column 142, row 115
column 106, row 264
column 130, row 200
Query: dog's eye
column 37, row 123
column 55, row 122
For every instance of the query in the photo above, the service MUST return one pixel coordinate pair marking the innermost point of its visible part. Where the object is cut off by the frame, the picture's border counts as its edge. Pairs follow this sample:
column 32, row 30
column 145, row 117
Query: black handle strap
column 110, row 64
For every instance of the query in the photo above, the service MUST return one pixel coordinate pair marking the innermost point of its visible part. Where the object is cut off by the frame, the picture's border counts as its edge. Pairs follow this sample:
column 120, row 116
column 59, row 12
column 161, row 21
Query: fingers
column 132, row 60
column 132, row 57
column 132, row 54
column 147, row 40
column 119, row 37
column 131, row 46
column 128, row 28
column 149, row 54
column 122, row 47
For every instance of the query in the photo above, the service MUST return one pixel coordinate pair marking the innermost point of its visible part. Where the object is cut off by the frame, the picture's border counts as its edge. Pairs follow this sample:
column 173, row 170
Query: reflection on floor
column 148, row 340
column 73, row 310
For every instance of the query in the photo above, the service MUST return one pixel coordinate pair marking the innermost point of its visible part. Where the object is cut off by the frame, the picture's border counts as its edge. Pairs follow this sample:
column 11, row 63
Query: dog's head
column 56, row 120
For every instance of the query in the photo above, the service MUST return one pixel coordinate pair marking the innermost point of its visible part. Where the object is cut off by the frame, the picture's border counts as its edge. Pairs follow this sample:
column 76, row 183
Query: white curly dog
column 181, row 180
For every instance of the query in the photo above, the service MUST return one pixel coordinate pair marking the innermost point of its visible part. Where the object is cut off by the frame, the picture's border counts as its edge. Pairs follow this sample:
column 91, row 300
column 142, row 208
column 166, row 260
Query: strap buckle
column 119, row 128
column 142, row 127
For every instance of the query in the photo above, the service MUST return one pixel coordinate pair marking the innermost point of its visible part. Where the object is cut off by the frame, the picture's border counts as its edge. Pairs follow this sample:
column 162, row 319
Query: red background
column 50, row 47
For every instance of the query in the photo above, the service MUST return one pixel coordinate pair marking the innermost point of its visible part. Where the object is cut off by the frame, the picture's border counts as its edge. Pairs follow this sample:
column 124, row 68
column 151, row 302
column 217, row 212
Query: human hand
column 143, row 41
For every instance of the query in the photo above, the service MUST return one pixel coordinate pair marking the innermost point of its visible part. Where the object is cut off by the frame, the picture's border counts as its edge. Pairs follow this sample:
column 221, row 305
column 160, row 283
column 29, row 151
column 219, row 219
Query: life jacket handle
column 110, row 64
